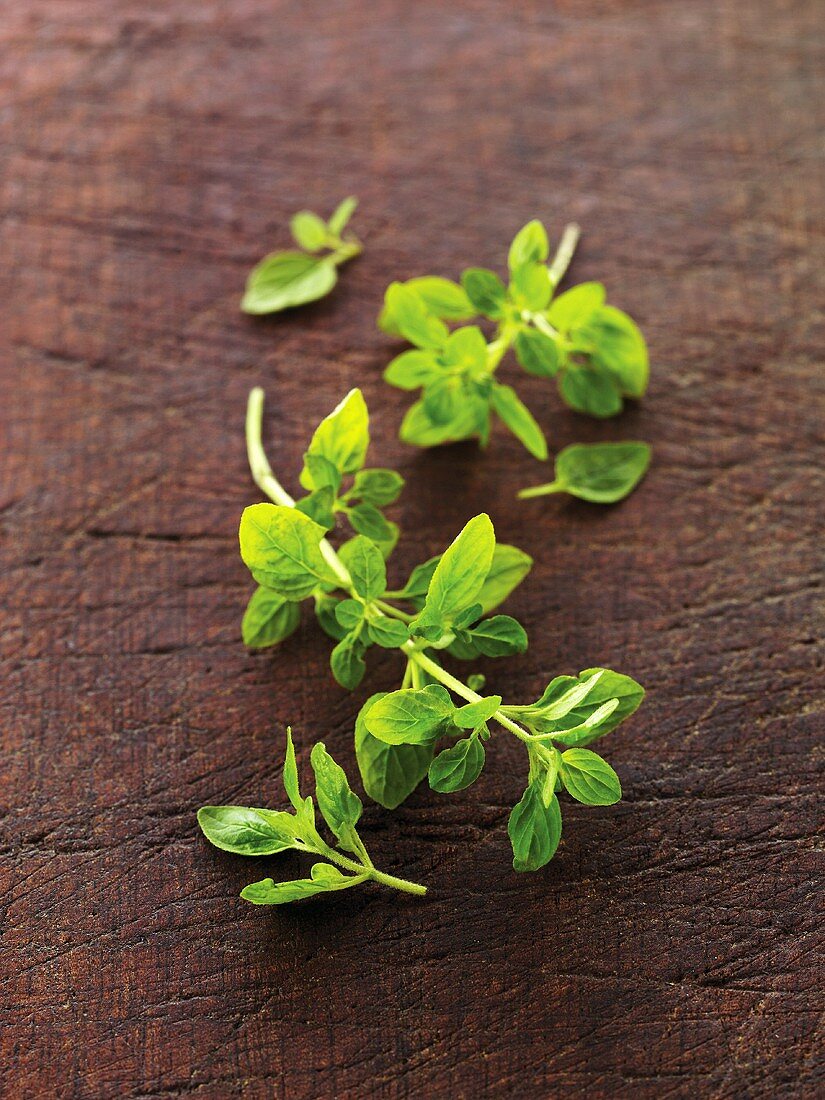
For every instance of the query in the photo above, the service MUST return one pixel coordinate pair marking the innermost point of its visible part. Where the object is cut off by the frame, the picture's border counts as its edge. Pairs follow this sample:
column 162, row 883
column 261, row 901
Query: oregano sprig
column 596, row 352
column 292, row 278
column 252, row 831
column 602, row 473
column 444, row 611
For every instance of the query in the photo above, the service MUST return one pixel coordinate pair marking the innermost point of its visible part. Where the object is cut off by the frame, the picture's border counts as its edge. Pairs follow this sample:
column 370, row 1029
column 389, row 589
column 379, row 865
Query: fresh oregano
column 292, row 278
column 400, row 736
column 596, row 352
column 602, row 473
column 251, row 831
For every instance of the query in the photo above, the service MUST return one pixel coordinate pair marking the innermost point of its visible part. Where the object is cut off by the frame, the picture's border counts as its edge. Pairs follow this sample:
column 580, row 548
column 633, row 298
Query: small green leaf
column 412, row 369
column 619, row 348
column 575, row 306
column 324, row 878
column 386, row 632
column 588, row 778
column 325, row 607
column 390, row 773
column 458, row 766
column 418, row 429
column 310, row 231
column 319, row 506
column 342, row 438
column 280, row 546
column 534, row 829
column 285, row 279
column 442, row 297
column 320, row 473
column 339, row 805
column 368, row 521
column 599, row 472
column 347, row 661
column 268, row 619
column 485, row 290
column 341, row 216
column 411, row 716
column 367, row 568
column 531, row 286
column 419, row 579
column 500, row 636
column 460, row 574
column 290, row 776
column 465, row 350
column 444, row 399
column 519, row 420
column 379, row 487
column 537, row 353
column 591, row 392
column 473, row 715
column 529, row 246
column 508, row 569
column 350, row 614
column 248, row 831
column 410, row 317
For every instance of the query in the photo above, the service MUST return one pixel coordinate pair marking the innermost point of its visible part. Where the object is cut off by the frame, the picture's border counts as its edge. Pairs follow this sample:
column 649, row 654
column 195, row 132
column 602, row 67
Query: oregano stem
column 267, row 482
column 367, row 871
column 564, row 253
column 461, row 689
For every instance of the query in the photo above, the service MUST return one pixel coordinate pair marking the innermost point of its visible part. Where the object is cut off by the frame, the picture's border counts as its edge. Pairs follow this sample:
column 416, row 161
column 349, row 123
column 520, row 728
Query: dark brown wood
column 151, row 153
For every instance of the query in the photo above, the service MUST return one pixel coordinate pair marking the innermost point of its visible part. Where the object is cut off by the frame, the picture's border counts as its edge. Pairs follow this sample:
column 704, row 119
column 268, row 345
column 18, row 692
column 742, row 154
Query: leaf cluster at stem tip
column 435, row 725
column 292, row 278
column 595, row 352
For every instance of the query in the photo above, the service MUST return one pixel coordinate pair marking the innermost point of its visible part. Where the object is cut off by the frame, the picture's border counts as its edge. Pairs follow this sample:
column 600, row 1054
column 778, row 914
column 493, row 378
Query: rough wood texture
column 151, row 152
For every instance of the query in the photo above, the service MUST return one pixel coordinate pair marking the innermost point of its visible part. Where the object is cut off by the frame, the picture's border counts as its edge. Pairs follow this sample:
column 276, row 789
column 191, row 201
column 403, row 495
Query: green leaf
column 534, row 829
column 419, row 579
column 324, row 878
column 529, row 246
column 366, row 567
column 473, row 715
column 412, row 369
column 501, row 636
column 411, row 716
column 485, row 290
column 390, row 773
column 599, row 472
column 325, row 608
column 519, row 420
column 320, row 473
column 418, row 429
column 285, row 279
column 368, row 521
column 537, row 353
column 593, row 726
column 290, row 776
column 386, row 632
column 570, row 702
column 619, row 348
column 531, row 286
column 319, row 506
column 347, row 661
column 409, row 316
column 588, row 391
column 339, row 805
column 310, row 231
column 458, row 766
column 248, row 831
column 444, row 399
column 442, row 297
column 379, row 487
column 280, row 546
column 508, row 569
column 341, row 216
column 610, row 685
column 350, row 614
column 268, row 619
column 341, row 438
column 460, row 574
column 589, row 779
column 575, row 306
column 465, row 350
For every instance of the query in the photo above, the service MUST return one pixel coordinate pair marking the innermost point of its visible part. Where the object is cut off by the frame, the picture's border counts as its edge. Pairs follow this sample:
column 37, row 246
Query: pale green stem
column 541, row 490
column 564, row 253
column 269, row 484
column 346, row 250
column 366, row 869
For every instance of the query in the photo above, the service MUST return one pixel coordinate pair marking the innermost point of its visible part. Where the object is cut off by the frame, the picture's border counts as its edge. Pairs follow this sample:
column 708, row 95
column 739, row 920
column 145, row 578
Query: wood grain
column 150, row 154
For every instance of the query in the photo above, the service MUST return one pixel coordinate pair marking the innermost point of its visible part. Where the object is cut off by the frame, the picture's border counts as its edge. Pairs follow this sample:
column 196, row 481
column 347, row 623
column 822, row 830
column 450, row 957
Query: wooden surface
column 150, row 154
